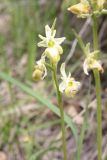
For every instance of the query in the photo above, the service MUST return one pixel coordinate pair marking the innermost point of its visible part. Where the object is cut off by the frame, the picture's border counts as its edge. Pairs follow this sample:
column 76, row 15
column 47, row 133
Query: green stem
column 59, row 97
column 99, row 113
column 95, row 34
column 98, row 93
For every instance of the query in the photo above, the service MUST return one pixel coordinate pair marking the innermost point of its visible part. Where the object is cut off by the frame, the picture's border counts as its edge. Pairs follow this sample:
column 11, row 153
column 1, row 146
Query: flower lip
column 53, row 54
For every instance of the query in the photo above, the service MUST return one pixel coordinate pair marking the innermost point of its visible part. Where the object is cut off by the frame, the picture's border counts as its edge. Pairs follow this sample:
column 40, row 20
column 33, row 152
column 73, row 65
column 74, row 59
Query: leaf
column 84, row 126
column 80, row 139
column 42, row 152
column 80, row 41
column 40, row 99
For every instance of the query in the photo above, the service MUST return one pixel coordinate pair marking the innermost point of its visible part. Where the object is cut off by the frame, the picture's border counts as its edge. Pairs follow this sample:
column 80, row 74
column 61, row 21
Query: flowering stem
column 98, row 93
column 99, row 113
column 59, row 97
column 95, row 34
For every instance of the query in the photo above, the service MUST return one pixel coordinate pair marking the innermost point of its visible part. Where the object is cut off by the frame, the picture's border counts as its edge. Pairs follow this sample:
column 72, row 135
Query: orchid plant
column 52, row 55
column 93, row 9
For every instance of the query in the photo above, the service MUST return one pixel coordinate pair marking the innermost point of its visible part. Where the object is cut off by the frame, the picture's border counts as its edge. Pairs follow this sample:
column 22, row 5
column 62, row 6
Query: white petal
column 59, row 40
column 69, row 75
column 48, row 31
column 41, row 61
column 42, row 44
column 53, row 33
column 45, row 72
column 62, row 86
column 85, row 67
column 41, row 37
column 62, row 70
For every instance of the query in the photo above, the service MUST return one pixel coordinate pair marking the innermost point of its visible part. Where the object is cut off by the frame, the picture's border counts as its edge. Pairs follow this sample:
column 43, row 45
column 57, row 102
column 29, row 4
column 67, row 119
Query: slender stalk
column 59, row 97
column 99, row 113
column 98, row 93
column 95, row 34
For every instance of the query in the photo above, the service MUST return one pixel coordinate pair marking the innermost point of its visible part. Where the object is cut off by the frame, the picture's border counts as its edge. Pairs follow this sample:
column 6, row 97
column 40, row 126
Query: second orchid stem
column 98, row 92
column 60, row 105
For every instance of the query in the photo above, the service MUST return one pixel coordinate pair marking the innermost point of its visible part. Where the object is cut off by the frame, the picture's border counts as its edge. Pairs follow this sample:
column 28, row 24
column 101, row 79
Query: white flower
column 52, row 44
column 68, row 85
column 40, row 70
column 50, row 40
column 91, row 62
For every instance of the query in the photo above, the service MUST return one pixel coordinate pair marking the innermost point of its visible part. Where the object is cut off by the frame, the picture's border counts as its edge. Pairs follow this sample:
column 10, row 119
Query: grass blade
column 84, row 126
column 41, row 100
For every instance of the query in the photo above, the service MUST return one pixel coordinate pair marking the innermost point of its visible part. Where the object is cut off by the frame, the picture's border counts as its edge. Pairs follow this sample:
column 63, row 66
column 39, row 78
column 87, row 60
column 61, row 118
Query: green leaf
column 80, row 139
column 80, row 41
column 41, row 152
column 40, row 99
column 84, row 125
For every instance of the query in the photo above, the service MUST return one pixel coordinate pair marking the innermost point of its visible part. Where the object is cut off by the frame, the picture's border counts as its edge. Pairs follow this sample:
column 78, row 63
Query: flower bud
column 40, row 70
column 37, row 74
column 80, row 8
